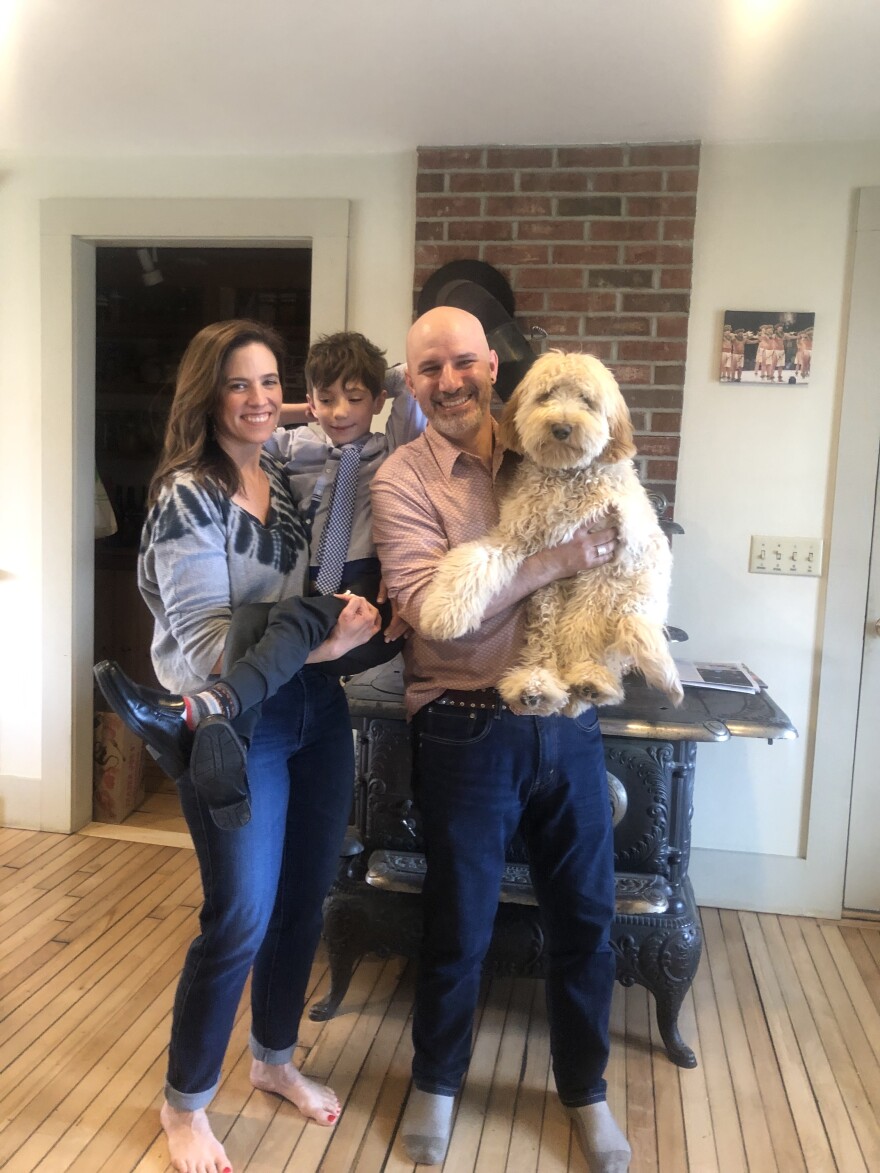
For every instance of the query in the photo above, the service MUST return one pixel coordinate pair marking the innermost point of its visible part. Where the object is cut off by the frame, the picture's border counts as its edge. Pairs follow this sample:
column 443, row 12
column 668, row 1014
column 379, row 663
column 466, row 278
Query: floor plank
column 784, row 1018
column 776, row 1111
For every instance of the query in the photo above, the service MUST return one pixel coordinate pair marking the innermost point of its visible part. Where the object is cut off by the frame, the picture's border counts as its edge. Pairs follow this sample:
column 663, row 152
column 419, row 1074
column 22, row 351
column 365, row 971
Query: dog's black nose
column 561, row 431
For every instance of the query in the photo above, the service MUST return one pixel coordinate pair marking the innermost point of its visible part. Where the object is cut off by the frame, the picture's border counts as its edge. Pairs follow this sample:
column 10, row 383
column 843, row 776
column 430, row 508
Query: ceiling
column 222, row 77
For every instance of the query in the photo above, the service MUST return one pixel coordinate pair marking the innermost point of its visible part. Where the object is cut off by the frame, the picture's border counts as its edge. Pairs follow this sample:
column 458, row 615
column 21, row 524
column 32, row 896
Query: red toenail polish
column 330, row 1118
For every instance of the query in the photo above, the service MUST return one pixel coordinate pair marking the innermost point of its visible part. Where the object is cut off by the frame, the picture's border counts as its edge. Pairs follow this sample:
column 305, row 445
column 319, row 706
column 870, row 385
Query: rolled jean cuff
column 583, row 1101
column 433, row 1087
column 273, row 1058
column 189, row 1101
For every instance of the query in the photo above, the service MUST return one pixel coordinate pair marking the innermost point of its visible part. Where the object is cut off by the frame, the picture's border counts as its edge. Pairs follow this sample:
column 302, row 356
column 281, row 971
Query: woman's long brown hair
column 190, row 444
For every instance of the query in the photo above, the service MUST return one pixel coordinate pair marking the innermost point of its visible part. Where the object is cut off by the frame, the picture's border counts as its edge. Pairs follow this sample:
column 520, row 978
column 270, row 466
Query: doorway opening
column 149, row 302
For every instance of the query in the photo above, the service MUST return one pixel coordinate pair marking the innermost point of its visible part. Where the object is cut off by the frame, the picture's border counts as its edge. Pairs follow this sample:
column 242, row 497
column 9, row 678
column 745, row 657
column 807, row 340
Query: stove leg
column 668, row 1003
column 343, row 951
column 342, row 963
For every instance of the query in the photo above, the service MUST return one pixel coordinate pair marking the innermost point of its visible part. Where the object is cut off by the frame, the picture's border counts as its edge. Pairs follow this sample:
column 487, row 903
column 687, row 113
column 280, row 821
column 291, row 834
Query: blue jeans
column 479, row 778
column 264, row 885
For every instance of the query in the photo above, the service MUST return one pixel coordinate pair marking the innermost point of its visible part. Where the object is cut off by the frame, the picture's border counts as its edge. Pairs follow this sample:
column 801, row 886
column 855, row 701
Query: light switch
column 776, row 555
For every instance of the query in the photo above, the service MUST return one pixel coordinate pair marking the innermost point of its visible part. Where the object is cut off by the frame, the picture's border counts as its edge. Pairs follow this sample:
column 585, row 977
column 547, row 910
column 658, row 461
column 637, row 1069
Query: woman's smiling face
column 250, row 397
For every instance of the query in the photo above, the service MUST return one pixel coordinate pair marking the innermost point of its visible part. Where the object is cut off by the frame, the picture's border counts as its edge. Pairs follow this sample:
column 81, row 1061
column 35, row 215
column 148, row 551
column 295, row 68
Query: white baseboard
column 766, row 883
column 20, row 803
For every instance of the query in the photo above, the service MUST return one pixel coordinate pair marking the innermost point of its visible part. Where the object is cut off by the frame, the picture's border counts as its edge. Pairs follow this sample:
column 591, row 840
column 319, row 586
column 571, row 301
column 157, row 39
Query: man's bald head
column 446, row 321
column 451, row 369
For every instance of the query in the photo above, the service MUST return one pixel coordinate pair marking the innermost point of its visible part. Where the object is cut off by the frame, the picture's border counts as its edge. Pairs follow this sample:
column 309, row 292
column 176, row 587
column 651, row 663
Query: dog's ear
column 508, row 432
column 620, row 446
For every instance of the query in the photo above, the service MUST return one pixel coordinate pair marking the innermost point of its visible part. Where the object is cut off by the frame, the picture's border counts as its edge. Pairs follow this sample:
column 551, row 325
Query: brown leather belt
column 471, row 698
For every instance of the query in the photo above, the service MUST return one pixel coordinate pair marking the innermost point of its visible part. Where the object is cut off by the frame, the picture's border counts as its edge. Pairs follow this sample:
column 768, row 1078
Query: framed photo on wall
column 766, row 346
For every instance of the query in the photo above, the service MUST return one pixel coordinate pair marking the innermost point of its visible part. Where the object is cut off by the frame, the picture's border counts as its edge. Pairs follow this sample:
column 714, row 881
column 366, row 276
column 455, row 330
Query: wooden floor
column 158, row 819
column 784, row 1017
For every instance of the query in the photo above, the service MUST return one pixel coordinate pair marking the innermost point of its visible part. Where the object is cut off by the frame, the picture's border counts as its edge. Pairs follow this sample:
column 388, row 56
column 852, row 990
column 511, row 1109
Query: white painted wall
column 774, row 230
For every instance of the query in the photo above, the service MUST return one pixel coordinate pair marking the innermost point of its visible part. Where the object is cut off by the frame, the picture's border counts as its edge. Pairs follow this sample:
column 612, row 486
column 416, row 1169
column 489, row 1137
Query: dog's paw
column 576, row 705
column 675, row 692
column 592, row 684
column 442, row 617
column 464, row 582
column 532, row 691
column 650, row 655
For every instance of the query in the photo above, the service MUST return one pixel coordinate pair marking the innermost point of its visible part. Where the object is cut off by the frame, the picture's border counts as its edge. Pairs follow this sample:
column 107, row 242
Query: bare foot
column 314, row 1100
column 193, row 1146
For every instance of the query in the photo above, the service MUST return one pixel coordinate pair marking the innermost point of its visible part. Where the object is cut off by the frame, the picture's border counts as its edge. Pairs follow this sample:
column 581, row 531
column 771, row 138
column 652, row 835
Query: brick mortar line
column 554, row 148
column 553, row 217
column 516, row 172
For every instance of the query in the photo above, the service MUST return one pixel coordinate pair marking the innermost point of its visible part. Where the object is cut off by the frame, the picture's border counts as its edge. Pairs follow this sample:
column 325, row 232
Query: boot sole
column 218, row 770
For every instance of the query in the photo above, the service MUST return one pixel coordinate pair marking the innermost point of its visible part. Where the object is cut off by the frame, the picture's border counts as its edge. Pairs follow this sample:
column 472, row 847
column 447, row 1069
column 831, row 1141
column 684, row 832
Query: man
column 726, row 353
column 481, row 772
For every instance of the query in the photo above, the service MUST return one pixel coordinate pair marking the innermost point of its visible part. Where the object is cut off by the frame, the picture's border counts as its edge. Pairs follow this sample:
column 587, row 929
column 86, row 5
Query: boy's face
column 345, row 412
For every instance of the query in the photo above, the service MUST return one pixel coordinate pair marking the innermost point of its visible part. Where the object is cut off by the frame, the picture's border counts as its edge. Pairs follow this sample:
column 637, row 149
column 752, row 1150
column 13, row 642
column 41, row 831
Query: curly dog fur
column 569, row 422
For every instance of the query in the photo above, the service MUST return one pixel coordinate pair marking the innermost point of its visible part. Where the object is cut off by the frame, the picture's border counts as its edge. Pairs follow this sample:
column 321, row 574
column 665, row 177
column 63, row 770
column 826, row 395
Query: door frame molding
column 70, row 231
column 852, row 514
column 856, row 500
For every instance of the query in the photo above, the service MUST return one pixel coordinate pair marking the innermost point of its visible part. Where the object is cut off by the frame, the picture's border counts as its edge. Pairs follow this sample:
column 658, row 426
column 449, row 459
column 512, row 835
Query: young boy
column 347, row 384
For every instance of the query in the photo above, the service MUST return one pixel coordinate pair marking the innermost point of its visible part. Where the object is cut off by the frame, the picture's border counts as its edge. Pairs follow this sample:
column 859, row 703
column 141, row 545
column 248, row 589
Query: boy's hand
column 395, row 380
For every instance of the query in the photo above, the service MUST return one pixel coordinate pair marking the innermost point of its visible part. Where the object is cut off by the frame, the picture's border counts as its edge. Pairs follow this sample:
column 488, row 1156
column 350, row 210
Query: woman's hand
column 358, row 621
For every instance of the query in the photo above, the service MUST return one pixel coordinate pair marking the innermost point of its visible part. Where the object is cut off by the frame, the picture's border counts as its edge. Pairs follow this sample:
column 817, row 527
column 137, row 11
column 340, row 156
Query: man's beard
column 462, row 422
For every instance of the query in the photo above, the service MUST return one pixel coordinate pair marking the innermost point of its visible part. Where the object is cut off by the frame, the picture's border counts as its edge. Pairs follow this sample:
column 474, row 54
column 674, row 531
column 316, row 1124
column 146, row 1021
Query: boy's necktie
column 337, row 531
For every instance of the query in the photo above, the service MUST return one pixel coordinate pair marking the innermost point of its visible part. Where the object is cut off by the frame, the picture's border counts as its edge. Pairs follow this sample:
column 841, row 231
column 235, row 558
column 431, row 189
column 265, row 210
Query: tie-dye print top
column 201, row 557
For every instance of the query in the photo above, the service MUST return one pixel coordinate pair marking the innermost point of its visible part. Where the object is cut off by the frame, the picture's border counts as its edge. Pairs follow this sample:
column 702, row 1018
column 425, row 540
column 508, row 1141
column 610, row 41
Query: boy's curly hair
column 347, row 356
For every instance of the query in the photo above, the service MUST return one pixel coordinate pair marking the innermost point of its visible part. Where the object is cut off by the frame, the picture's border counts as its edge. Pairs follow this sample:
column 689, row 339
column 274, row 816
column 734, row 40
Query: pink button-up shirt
column 428, row 497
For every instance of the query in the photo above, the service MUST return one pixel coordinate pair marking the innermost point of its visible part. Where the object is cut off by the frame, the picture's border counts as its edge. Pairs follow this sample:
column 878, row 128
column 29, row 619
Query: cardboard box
column 118, row 770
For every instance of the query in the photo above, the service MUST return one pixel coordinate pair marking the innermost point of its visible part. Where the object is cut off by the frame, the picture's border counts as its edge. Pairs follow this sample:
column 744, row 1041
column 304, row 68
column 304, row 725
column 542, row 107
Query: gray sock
column 602, row 1142
column 425, row 1127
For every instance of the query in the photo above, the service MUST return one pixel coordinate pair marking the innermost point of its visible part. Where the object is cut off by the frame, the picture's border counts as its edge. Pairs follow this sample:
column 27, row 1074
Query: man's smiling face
column 450, row 370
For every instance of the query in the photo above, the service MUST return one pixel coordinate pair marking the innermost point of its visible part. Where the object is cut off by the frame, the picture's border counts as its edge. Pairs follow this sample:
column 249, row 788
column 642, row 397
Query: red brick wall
column 597, row 244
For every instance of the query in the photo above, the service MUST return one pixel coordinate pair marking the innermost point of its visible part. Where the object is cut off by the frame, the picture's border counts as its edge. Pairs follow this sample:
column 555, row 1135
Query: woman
column 223, row 531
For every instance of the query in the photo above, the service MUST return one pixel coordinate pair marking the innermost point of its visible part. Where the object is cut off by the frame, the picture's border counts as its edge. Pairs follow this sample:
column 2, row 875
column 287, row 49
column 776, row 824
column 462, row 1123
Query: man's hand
column 591, row 546
column 358, row 621
column 398, row 626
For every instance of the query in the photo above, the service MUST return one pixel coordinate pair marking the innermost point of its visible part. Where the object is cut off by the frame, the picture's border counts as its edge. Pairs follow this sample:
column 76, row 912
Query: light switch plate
column 777, row 555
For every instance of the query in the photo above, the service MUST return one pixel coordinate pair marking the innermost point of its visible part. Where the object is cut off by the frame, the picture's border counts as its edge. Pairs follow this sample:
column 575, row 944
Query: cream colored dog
column 569, row 421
